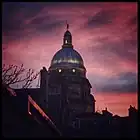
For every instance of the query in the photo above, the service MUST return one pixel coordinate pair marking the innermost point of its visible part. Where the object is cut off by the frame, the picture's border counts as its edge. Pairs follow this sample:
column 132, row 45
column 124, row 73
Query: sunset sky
column 105, row 34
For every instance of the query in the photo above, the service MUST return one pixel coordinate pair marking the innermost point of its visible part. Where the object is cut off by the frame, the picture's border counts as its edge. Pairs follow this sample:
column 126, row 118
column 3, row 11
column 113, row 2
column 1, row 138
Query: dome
column 67, row 33
column 67, row 57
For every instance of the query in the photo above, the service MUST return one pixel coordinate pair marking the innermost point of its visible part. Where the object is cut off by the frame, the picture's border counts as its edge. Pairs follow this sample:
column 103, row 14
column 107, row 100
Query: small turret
column 67, row 40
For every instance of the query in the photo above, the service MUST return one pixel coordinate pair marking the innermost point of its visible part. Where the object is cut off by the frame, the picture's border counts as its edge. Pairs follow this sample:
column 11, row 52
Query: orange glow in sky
column 116, row 103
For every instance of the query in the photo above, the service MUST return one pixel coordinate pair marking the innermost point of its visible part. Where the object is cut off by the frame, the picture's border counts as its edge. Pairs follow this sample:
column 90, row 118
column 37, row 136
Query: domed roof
column 67, row 33
column 67, row 57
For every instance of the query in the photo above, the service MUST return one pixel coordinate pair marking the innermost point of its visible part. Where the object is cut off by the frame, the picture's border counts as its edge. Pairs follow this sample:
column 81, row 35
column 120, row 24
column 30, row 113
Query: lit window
column 59, row 70
column 73, row 70
column 66, row 41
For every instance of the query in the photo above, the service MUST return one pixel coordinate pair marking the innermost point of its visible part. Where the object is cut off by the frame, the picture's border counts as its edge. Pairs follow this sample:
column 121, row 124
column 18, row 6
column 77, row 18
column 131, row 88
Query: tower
column 69, row 89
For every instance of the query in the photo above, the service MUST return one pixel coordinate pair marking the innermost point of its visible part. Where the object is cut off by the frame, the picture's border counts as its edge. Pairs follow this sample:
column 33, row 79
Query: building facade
column 65, row 88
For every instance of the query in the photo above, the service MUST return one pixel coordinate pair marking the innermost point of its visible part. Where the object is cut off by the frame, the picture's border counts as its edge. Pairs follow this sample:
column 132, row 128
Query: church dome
column 67, row 57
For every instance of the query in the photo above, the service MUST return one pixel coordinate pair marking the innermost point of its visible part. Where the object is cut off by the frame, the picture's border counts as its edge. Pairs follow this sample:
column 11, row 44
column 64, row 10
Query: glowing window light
column 59, row 70
column 73, row 70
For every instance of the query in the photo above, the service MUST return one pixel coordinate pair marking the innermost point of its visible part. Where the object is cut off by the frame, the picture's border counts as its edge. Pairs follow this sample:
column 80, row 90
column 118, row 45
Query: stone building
column 65, row 87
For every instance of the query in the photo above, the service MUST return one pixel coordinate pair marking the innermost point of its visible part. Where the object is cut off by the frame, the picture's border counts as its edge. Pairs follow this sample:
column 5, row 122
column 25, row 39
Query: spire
column 67, row 25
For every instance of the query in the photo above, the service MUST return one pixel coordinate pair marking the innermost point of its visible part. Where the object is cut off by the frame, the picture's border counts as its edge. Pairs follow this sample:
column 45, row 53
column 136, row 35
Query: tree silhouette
column 14, row 74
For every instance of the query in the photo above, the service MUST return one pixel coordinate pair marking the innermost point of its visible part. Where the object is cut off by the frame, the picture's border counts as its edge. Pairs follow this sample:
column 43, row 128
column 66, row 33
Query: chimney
column 44, row 87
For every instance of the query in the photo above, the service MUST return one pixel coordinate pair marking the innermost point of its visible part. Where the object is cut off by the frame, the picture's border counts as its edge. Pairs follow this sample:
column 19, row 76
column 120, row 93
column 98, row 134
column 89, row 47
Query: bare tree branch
column 14, row 74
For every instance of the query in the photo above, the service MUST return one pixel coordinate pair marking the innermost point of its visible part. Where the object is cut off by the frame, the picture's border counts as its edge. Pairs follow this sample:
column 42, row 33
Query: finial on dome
column 67, row 25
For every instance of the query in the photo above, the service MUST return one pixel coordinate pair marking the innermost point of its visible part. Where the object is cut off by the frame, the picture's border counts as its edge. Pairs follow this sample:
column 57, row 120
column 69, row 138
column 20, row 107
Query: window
column 73, row 70
column 59, row 70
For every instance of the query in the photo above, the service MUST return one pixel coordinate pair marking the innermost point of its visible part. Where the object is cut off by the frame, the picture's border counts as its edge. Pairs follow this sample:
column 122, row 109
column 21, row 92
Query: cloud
column 133, row 20
column 49, row 27
column 13, row 19
column 101, row 18
column 122, row 83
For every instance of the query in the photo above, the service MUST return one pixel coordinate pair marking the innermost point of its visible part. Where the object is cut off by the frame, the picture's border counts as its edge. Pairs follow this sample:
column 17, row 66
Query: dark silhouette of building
column 133, row 112
column 68, row 86
column 18, row 122
column 133, row 121
column 97, row 125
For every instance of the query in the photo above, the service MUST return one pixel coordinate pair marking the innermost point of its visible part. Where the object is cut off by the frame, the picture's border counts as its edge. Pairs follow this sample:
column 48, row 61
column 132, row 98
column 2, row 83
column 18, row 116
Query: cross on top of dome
column 67, row 26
